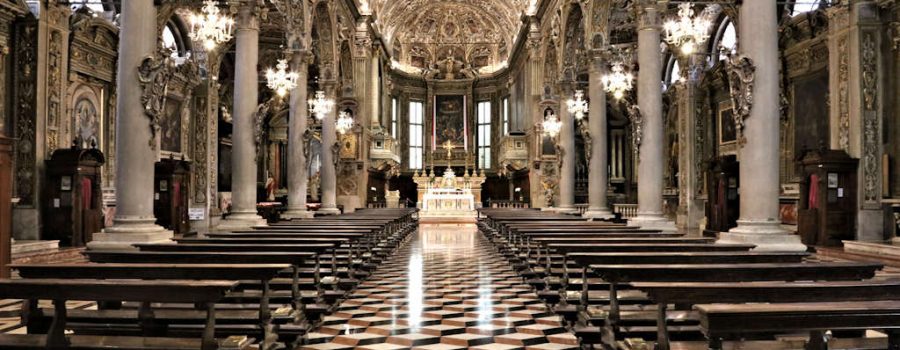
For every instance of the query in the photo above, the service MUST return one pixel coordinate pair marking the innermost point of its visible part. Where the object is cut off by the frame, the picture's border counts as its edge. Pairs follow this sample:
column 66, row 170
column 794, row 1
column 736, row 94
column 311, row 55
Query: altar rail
column 627, row 211
column 509, row 204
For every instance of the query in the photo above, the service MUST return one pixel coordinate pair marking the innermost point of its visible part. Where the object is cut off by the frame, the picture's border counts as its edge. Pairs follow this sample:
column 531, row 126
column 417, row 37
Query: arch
column 573, row 42
column 175, row 35
column 726, row 36
column 324, row 34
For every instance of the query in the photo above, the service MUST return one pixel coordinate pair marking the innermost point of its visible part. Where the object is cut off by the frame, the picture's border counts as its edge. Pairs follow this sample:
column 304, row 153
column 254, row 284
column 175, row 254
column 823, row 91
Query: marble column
column 598, row 164
column 759, row 169
column 246, row 99
column 328, row 171
column 298, row 178
column 566, row 144
column 651, row 160
column 134, row 221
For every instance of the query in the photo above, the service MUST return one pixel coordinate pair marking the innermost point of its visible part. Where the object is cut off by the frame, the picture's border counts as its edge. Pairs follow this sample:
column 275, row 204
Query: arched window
column 673, row 72
column 727, row 42
column 801, row 6
column 175, row 37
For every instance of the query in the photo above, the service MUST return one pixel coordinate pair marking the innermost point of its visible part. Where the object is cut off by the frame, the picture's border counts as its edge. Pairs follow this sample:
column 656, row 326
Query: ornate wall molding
column 155, row 73
column 25, row 111
column 870, row 119
column 843, row 94
column 741, row 73
column 637, row 128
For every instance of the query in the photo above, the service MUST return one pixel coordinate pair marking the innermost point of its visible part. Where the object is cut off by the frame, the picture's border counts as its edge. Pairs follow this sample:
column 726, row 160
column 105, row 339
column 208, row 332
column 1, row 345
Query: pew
column 261, row 272
column 692, row 293
column 205, row 293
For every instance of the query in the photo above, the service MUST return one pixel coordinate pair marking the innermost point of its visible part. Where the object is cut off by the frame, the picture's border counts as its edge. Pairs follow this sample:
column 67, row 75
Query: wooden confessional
column 6, row 160
column 826, row 212
column 723, row 206
column 73, row 209
column 172, row 189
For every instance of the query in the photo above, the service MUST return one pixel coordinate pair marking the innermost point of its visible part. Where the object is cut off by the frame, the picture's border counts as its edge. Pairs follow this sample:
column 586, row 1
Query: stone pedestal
column 134, row 221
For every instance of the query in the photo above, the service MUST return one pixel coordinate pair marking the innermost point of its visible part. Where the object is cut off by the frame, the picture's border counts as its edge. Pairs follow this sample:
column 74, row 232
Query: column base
column 766, row 235
column 600, row 214
column 653, row 222
column 329, row 211
column 241, row 221
column 125, row 232
column 292, row 214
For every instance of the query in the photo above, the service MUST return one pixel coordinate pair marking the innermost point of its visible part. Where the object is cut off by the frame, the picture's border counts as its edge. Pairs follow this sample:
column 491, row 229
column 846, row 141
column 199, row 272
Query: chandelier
column 344, row 123
column 320, row 106
column 686, row 31
column 281, row 80
column 551, row 125
column 578, row 106
column 618, row 82
column 210, row 27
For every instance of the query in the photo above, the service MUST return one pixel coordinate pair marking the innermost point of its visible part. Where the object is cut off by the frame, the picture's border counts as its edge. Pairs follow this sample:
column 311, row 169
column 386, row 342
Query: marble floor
column 446, row 288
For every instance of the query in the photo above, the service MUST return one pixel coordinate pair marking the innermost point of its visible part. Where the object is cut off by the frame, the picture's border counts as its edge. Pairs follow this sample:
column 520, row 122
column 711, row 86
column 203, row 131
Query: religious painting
column 348, row 146
column 87, row 123
column 810, row 108
column 449, row 124
column 170, row 126
column 727, row 127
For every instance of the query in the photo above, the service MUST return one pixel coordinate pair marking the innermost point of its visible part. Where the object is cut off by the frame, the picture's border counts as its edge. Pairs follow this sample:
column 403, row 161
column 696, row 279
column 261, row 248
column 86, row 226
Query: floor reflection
column 446, row 288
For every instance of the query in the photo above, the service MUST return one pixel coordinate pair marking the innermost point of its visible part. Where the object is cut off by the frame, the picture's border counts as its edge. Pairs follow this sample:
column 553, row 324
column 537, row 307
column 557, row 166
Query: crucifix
column 449, row 147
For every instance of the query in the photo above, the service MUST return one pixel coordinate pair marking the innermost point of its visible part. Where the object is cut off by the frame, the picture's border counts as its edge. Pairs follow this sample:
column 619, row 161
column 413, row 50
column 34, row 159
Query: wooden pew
column 261, row 272
column 692, row 293
column 205, row 293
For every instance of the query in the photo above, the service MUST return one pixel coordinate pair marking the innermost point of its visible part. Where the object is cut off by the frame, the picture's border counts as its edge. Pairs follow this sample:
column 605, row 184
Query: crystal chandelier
column 320, row 106
column 687, row 31
column 344, row 123
column 618, row 82
column 578, row 106
column 551, row 125
column 210, row 27
column 280, row 79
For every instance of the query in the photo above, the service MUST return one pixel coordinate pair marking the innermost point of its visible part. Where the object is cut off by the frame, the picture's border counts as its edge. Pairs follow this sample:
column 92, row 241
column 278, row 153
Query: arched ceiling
column 422, row 32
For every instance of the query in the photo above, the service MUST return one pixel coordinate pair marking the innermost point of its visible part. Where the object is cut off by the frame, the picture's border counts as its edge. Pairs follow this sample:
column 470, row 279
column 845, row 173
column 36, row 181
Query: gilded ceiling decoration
column 424, row 33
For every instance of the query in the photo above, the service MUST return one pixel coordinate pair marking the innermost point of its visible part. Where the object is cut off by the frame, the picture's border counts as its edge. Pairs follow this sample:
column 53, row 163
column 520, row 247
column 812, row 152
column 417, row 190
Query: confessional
column 723, row 206
column 826, row 212
column 171, row 192
column 6, row 158
column 72, row 203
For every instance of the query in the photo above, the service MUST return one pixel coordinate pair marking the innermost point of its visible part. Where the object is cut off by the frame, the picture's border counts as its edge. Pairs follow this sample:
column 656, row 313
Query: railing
column 377, row 205
column 508, row 204
column 581, row 208
column 627, row 211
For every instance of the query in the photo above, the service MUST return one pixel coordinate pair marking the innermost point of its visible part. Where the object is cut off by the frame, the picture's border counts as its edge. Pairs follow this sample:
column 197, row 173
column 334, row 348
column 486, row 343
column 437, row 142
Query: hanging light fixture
column 344, row 123
column 320, row 106
column 618, row 82
column 210, row 27
column 280, row 79
column 578, row 106
column 551, row 125
column 685, row 30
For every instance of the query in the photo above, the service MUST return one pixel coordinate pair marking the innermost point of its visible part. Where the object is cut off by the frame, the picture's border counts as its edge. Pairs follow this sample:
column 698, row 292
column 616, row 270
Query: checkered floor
column 444, row 289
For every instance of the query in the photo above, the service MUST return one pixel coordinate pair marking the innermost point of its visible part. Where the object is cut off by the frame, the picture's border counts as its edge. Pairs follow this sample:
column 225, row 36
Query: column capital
column 248, row 13
column 647, row 14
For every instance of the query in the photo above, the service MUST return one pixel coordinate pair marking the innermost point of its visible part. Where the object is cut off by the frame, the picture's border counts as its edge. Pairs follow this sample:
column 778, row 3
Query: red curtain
column 813, row 191
column 86, row 193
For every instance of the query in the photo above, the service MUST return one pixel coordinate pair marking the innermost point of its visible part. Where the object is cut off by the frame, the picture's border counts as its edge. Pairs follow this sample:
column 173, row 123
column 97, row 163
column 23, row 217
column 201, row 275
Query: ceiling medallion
column 686, row 31
column 210, row 27
column 578, row 106
column 551, row 125
column 280, row 80
column 320, row 106
column 618, row 82
column 344, row 123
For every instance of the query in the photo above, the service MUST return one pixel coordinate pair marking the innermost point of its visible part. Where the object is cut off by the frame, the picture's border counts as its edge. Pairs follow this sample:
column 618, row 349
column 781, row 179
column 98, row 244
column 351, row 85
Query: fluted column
column 246, row 99
column 298, row 177
column 598, row 163
column 134, row 221
column 566, row 144
column 649, row 91
column 327, row 173
column 759, row 169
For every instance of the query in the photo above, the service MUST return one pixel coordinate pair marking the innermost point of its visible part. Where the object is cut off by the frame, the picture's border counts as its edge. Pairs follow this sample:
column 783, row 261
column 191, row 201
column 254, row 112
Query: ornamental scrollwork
column 637, row 128
column 741, row 74
column 154, row 74
column 588, row 141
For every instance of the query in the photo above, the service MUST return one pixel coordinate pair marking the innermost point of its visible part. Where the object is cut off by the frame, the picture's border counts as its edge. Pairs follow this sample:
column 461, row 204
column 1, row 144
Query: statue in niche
column 449, row 68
